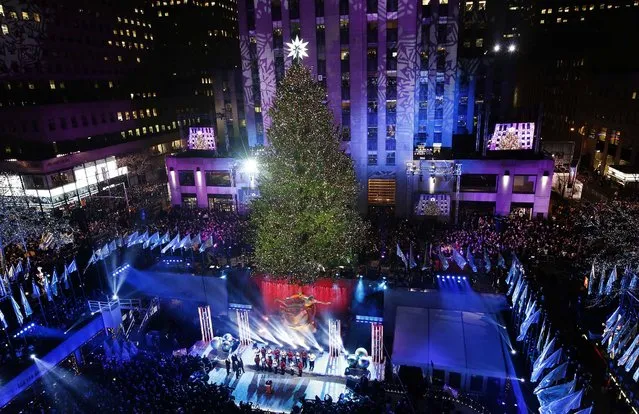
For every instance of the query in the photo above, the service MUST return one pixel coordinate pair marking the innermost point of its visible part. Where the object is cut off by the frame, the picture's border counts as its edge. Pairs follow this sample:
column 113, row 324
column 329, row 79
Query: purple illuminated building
column 392, row 75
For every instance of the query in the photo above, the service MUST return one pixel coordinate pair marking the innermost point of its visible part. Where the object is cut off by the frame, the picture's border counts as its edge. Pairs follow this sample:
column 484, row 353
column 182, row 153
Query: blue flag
column 549, row 362
column 611, row 280
column 35, row 290
column 557, row 374
column 173, row 244
column 501, row 262
column 16, row 309
column 25, row 303
column 487, row 261
column 3, row 321
column 65, row 278
column 602, row 281
column 47, row 288
column 554, row 393
column 72, row 267
column 523, row 330
column 563, row 405
column 19, row 267
column 401, row 255
column 591, row 280
column 459, row 259
column 471, row 259
column 444, row 260
column 54, row 282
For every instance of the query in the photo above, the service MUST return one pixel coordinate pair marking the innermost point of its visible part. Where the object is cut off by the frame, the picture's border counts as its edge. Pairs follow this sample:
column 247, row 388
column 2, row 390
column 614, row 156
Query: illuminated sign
column 518, row 136
column 201, row 138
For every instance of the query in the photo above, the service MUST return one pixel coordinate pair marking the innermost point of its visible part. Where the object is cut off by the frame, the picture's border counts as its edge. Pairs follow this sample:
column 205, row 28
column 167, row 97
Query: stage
column 327, row 378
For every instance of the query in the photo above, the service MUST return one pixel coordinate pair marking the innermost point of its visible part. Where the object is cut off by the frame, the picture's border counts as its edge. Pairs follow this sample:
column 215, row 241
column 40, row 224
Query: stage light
column 250, row 166
column 32, row 356
column 514, row 352
column 512, row 48
column 497, row 48
column 114, row 297
column 522, row 379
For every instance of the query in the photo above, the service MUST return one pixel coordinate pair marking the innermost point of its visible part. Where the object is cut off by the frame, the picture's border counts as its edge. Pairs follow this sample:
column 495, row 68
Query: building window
column 484, row 183
column 189, row 200
column 479, row 42
column 218, row 179
column 52, row 84
column 524, row 184
column 390, row 158
column 186, row 177
column 5, row 29
column 372, row 158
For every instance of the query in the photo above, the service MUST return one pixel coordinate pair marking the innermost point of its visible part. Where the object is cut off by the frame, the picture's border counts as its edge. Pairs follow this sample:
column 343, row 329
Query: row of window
column 134, row 22
column 128, row 45
column 211, row 178
column 24, row 15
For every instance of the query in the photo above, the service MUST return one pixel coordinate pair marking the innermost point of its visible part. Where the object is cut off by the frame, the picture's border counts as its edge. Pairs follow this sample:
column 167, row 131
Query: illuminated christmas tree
column 305, row 220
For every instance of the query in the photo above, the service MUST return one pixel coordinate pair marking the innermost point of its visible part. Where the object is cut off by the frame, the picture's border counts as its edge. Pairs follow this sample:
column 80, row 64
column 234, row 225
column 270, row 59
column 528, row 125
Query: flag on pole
column 459, row 259
column 533, row 318
column 411, row 257
column 570, row 402
column 152, row 241
column 172, row 244
column 11, row 273
column 54, row 283
column 585, row 411
column 591, row 280
column 25, row 303
column 72, row 267
column 65, row 278
column 501, row 262
column 186, row 242
column 3, row 291
column 444, row 260
column 208, row 243
column 471, row 259
column 197, row 240
column 557, row 374
column 131, row 239
column 166, row 238
column 550, row 394
column 16, row 309
column 401, row 255
column 602, row 281
column 487, row 263
column 47, row 288
column 105, row 252
column 3, row 321
column 611, row 280
column 19, row 267
column 113, row 245
column 35, row 289
column 549, row 362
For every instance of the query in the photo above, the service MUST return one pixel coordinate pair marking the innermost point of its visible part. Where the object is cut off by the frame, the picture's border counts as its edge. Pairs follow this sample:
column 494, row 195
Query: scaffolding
column 206, row 325
column 377, row 349
column 334, row 337
column 244, row 328
column 448, row 170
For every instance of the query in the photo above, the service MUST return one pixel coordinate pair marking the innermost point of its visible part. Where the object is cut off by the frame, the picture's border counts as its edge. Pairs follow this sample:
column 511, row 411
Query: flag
column 401, row 255
column 65, row 278
column 92, row 259
column 47, row 288
column 487, row 263
column 11, row 273
column 542, row 333
column 19, row 268
column 634, row 282
column 142, row 238
column 513, row 273
column 632, row 360
column 459, row 259
column 131, row 239
column 105, row 252
column 427, row 252
column 523, row 330
column 3, row 321
column 602, row 281
column 585, row 411
column 16, row 309
column 186, row 242
column 411, row 257
column 25, row 303
column 444, row 261
column 208, row 243
column 152, row 241
column 591, row 280
column 611, row 280
column 471, row 259
column 550, row 394
column 166, row 238
column 113, row 246
column 54, row 283
column 171, row 244
column 72, row 267
column 563, row 405
column 547, row 349
column 557, row 374
column 501, row 262
column 3, row 290
column 629, row 351
column 197, row 240
column 35, row 289
column 549, row 362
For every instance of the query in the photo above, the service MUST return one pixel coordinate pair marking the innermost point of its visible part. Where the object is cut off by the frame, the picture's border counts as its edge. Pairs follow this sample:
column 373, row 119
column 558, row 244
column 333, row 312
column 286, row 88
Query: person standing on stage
column 277, row 355
column 257, row 362
column 269, row 363
column 300, row 366
column 283, row 366
column 240, row 365
column 311, row 361
column 304, row 358
column 228, row 366
column 290, row 356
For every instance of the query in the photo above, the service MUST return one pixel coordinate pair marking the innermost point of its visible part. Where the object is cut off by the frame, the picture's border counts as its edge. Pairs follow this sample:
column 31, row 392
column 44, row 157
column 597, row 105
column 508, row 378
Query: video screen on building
column 516, row 136
column 201, row 138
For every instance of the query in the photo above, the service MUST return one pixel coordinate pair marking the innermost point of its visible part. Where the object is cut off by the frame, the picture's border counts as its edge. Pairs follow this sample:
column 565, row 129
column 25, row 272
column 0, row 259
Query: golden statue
column 299, row 311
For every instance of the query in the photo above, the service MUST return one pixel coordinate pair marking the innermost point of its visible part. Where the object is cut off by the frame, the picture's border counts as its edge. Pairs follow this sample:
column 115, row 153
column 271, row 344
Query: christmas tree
column 305, row 220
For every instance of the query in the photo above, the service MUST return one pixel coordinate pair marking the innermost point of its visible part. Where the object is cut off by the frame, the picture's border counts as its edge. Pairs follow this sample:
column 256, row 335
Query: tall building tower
column 389, row 69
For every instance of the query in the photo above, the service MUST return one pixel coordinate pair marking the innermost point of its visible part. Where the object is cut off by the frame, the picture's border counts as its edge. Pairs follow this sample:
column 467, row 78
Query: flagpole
column 42, row 310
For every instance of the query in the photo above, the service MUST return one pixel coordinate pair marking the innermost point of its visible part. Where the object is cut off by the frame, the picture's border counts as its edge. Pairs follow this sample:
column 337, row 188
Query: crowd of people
column 272, row 360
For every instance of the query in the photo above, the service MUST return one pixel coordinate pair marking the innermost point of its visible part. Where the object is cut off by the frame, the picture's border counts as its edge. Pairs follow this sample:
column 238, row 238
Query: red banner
column 337, row 292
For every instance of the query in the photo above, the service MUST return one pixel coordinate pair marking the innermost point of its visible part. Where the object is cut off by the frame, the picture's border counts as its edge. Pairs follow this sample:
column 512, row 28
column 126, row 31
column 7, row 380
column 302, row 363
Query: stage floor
column 327, row 378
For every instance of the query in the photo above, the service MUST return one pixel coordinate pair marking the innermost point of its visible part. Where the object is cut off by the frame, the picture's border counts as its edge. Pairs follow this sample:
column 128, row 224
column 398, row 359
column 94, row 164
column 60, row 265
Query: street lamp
column 497, row 48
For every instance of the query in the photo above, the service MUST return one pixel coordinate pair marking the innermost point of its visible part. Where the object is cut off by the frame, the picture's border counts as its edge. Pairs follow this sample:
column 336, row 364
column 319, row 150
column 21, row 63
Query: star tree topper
column 297, row 48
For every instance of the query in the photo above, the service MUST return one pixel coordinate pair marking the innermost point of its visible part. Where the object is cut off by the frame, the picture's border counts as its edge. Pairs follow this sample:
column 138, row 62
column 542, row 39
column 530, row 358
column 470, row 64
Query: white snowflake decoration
column 297, row 48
